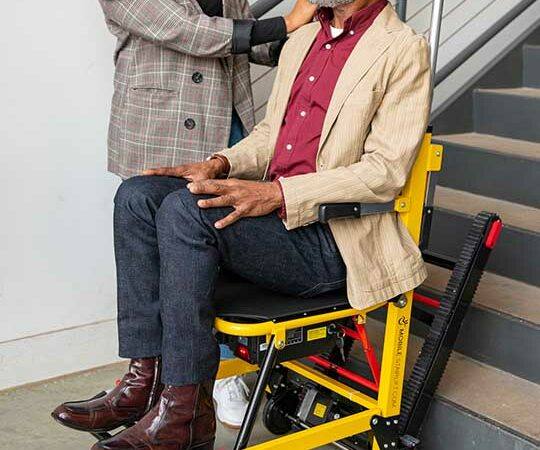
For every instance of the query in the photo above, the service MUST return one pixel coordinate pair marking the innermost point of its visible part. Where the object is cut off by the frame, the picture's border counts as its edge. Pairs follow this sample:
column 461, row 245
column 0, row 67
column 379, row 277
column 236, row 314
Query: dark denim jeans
column 168, row 255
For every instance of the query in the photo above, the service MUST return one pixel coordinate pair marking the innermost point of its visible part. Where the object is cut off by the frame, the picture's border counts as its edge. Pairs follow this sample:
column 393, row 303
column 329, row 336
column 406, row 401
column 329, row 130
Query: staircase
column 489, row 398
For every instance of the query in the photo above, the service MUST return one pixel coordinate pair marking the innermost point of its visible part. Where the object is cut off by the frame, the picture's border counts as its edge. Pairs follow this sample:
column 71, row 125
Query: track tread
column 431, row 349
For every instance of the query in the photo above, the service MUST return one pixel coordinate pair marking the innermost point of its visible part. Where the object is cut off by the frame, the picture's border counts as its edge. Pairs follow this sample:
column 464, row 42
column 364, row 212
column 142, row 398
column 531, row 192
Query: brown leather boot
column 183, row 419
column 131, row 399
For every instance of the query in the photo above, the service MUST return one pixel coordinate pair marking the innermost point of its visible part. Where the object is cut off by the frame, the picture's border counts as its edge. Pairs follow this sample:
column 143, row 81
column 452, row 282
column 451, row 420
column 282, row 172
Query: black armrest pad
column 328, row 211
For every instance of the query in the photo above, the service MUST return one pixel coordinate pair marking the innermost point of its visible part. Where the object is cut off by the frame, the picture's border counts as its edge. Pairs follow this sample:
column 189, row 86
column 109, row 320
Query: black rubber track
column 433, row 358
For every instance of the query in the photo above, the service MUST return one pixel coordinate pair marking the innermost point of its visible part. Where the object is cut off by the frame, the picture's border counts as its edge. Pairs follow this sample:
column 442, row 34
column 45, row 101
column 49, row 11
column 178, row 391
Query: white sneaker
column 231, row 397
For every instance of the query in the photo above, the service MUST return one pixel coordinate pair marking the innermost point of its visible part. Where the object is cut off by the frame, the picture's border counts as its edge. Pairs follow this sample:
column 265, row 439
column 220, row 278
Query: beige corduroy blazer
column 372, row 132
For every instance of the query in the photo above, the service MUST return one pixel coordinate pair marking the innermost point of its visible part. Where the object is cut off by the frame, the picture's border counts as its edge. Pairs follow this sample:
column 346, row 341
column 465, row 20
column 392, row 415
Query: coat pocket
column 153, row 124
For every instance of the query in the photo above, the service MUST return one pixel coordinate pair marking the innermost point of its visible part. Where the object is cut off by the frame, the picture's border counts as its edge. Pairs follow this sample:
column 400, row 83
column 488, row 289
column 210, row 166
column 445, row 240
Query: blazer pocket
column 149, row 90
column 152, row 123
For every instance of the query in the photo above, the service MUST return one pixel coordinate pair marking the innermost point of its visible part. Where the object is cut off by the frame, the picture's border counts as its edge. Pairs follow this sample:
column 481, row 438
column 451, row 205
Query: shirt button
column 197, row 77
column 303, row 113
column 327, row 46
column 311, row 78
column 351, row 32
column 189, row 124
column 288, row 147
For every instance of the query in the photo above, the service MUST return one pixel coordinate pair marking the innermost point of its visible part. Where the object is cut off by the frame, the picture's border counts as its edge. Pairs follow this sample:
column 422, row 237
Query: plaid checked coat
column 176, row 82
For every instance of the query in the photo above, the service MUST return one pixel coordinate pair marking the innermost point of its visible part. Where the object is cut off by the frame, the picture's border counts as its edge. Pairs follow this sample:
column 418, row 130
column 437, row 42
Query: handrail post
column 434, row 35
column 401, row 9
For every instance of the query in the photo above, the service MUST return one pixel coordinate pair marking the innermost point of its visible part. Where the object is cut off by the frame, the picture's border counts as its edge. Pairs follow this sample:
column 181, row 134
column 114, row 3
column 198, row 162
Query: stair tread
column 497, row 395
column 514, row 214
column 490, row 393
column 502, row 294
column 521, row 91
column 492, row 143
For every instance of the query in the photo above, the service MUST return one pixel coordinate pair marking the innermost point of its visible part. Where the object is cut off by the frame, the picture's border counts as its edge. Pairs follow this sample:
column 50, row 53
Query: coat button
column 189, row 124
column 197, row 77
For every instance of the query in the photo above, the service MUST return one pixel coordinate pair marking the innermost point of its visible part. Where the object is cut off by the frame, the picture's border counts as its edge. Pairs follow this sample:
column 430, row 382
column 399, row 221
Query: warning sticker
column 316, row 333
column 319, row 410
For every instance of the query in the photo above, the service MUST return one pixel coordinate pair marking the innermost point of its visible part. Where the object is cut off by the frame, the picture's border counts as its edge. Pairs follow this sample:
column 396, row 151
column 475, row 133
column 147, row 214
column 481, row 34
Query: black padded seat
column 246, row 302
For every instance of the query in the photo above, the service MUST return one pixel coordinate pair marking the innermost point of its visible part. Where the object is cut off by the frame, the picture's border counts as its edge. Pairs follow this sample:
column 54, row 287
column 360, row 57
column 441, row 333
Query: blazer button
column 197, row 77
column 189, row 124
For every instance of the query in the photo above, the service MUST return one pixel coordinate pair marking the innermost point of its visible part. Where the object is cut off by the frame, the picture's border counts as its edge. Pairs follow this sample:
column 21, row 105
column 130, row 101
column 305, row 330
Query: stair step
column 513, row 214
column 476, row 407
column 516, row 254
column 504, row 316
column 493, row 166
column 510, row 112
column 505, row 295
column 531, row 66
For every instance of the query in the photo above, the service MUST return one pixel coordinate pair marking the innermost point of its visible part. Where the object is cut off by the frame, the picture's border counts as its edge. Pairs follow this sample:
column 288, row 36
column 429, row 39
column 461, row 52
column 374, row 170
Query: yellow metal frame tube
column 321, row 434
column 410, row 206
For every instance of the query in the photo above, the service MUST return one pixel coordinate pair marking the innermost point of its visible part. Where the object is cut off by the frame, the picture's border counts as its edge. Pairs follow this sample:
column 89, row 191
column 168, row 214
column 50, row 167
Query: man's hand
column 248, row 198
column 205, row 170
column 302, row 13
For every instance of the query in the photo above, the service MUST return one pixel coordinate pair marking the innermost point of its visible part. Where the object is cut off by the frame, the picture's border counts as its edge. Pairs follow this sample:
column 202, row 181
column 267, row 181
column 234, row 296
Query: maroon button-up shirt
column 298, row 140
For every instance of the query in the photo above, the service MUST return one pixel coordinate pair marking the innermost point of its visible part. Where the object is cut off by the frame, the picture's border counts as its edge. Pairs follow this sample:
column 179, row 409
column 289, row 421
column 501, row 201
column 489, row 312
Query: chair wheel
column 275, row 411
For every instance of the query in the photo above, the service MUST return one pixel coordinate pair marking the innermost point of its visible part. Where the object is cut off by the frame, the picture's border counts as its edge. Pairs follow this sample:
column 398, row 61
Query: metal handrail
column 401, row 9
column 261, row 7
column 434, row 36
column 478, row 43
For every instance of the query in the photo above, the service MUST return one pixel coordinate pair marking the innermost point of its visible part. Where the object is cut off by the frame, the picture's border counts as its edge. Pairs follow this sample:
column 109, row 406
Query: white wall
column 56, row 260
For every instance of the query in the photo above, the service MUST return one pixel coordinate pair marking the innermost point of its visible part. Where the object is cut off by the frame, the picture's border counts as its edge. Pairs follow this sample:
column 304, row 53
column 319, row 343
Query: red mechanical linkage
column 345, row 373
column 494, row 233
column 369, row 351
column 433, row 302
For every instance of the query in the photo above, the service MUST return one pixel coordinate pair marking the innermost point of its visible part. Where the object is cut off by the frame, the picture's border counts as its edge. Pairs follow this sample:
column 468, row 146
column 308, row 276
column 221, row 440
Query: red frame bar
column 346, row 373
column 434, row 303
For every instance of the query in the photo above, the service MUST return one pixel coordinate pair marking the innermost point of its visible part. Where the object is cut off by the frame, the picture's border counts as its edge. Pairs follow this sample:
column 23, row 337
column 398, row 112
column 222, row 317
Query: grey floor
column 25, row 422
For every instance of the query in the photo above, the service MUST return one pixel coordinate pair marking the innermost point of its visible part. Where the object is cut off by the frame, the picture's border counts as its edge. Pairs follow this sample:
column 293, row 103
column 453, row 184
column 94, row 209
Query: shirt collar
column 356, row 22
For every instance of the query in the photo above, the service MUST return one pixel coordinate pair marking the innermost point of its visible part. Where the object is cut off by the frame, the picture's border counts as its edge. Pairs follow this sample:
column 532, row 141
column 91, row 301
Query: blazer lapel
column 369, row 48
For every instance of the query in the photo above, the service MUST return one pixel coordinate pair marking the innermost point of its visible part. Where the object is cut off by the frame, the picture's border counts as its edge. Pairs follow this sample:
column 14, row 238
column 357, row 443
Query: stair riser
column 497, row 339
column 516, row 253
column 501, row 341
column 514, row 116
column 531, row 66
column 449, row 427
column 491, row 174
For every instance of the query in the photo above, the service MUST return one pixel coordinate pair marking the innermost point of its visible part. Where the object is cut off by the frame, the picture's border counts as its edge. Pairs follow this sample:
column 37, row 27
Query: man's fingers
column 164, row 171
column 216, row 202
column 230, row 219
column 206, row 187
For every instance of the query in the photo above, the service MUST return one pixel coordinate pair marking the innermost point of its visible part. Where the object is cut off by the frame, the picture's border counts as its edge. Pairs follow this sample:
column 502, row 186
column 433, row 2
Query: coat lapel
column 369, row 48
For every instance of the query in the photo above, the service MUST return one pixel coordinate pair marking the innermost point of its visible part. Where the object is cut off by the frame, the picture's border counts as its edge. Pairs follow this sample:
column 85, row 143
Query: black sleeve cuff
column 274, row 52
column 268, row 30
column 241, row 38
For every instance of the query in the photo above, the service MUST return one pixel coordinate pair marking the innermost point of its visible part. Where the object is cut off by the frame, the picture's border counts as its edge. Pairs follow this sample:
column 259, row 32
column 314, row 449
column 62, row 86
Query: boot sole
column 126, row 424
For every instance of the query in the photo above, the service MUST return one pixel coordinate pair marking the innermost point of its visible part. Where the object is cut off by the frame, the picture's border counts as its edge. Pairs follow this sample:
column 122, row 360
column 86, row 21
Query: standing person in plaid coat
column 182, row 91
column 182, row 88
